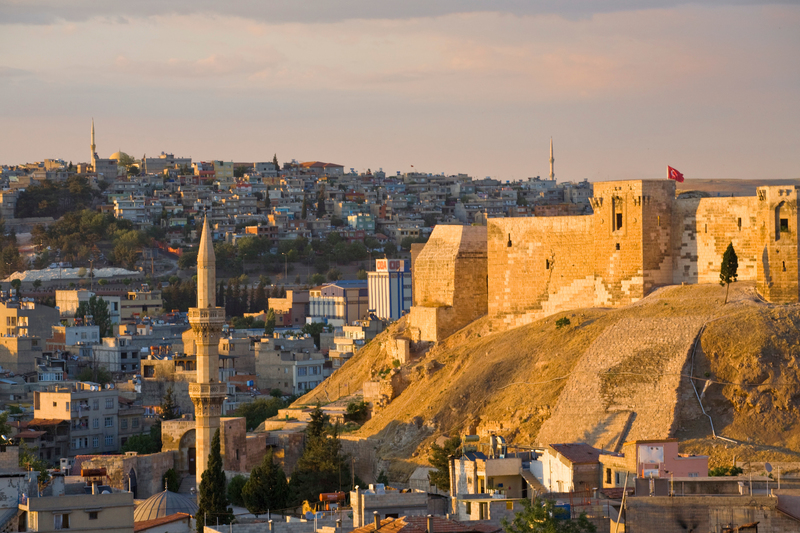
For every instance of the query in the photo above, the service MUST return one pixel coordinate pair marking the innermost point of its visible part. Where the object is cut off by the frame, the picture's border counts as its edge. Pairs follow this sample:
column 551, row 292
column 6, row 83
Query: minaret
column 92, row 147
column 207, row 393
column 552, row 160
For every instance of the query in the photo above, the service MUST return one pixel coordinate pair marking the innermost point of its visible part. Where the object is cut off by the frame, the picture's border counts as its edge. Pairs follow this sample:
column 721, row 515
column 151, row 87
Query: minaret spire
column 552, row 161
column 92, row 146
column 206, row 269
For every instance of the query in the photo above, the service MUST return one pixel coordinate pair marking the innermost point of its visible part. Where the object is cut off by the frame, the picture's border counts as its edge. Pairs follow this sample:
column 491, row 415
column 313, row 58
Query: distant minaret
column 207, row 393
column 552, row 161
column 92, row 147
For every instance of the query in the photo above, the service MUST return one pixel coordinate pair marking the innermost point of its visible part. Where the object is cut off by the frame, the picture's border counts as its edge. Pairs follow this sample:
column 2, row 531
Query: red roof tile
column 147, row 524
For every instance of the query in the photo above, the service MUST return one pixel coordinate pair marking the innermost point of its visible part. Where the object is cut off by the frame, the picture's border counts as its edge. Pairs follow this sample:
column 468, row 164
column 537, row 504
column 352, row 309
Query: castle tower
column 552, row 160
column 207, row 393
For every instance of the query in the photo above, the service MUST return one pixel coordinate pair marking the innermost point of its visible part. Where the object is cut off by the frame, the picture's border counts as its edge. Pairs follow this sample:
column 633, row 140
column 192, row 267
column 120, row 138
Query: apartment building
column 93, row 414
column 141, row 303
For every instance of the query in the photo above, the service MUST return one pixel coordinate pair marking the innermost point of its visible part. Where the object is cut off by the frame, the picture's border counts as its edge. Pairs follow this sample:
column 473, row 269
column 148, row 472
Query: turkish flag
column 674, row 174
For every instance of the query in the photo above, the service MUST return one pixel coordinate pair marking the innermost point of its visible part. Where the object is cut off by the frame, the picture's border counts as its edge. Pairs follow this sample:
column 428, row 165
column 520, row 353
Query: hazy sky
column 623, row 87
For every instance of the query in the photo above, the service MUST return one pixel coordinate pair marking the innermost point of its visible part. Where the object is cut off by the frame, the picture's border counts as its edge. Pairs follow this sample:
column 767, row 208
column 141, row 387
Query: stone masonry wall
column 777, row 215
column 703, row 229
column 539, row 265
column 662, row 514
column 610, row 397
column 450, row 282
column 639, row 237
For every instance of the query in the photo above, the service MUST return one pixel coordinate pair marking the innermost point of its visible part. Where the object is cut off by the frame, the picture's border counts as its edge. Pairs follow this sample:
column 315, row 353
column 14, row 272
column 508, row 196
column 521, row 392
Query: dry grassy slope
column 479, row 378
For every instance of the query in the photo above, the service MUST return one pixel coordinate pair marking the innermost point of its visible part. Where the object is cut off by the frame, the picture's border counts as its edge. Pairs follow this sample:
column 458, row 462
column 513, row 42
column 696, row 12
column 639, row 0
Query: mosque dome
column 164, row 504
column 118, row 155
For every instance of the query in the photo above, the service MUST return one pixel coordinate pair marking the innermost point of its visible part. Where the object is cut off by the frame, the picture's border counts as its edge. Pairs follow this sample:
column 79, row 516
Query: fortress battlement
column 639, row 237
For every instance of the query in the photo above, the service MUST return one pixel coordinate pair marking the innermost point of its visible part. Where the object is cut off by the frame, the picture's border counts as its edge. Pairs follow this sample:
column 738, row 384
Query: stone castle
column 640, row 236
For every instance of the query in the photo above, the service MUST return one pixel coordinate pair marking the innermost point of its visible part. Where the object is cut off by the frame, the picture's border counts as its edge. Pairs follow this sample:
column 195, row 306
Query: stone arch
column 781, row 221
column 132, row 484
column 187, row 453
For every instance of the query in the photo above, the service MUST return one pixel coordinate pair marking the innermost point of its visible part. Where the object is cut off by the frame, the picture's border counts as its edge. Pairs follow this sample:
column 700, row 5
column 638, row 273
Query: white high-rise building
column 390, row 288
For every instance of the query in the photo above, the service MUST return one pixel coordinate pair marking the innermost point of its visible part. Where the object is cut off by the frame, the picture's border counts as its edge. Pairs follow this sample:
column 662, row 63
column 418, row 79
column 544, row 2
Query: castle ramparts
column 640, row 236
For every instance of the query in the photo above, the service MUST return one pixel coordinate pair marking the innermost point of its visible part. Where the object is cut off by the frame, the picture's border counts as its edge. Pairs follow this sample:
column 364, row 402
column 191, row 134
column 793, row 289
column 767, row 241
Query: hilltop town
column 467, row 344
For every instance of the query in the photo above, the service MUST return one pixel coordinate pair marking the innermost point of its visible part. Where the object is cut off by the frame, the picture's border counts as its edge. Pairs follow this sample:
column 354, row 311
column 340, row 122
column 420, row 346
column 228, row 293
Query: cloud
column 322, row 11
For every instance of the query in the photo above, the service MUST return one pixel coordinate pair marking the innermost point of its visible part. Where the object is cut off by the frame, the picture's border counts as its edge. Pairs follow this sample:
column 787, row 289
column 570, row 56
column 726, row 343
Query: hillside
column 611, row 375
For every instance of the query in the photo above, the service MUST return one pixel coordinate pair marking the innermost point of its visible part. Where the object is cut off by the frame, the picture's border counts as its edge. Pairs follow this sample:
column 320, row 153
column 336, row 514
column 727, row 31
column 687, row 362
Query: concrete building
column 292, row 365
column 64, row 338
column 570, row 467
column 650, row 458
column 67, row 302
column 70, row 507
column 390, row 295
column 141, row 303
column 387, row 503
column 292, row 310
column 92, row 413
column 340, row 302
column 25, row 318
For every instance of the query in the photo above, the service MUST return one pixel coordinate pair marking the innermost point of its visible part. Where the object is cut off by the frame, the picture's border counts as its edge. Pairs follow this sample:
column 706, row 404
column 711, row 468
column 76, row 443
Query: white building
column 68, row 301
column 390, row 289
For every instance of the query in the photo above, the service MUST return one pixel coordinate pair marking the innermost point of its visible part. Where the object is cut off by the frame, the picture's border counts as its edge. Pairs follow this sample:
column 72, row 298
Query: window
column 616, row 478
column 608, row 475
column 67, row 407
column 123, row 423
column 739, row 223
column 55, row 404
column 109, row 403
column 469, row 507
column 96, row 423
column 96, row 405
column 61, row 521
column 109, row 440
column 109, row 422
column 619, row 220
column 92, row 515
column 694, row 474
column 301, row 371
column 135, row 423
column 784, row 225
column 95, row 442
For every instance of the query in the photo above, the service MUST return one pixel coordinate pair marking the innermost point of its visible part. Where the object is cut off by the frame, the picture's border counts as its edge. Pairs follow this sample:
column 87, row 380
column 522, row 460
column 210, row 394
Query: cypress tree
column 212, row 500
column 260, row 298
column 728, row 271
column 267, row 488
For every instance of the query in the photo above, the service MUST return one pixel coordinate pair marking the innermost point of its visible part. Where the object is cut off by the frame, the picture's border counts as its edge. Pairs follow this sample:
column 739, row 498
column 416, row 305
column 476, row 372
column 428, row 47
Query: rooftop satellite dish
column 768, row 467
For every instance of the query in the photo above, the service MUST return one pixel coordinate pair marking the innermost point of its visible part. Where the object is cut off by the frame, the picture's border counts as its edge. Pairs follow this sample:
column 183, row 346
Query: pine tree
column 728, row 272
column 229, row 299
column 260, row 298
column 269, row 323
column 221, row 294
column 322, row 467
column 275, row 162
column 321, row 203
column 267, row 488
column 212, row 500
column 169, row 408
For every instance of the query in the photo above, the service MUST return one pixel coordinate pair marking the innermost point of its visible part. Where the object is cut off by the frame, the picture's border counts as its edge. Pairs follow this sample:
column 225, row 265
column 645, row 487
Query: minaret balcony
column 212, row 314
column 206, row 390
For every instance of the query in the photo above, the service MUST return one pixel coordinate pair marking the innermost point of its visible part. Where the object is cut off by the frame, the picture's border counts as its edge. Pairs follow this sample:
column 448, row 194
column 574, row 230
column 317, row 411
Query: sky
column 623, row 87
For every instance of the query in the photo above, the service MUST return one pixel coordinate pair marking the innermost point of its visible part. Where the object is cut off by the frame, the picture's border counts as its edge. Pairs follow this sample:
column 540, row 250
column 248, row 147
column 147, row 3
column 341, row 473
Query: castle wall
column 778, row 269
column 450, row 282
column 703, row 228
column 640, row 237
column 547, row 267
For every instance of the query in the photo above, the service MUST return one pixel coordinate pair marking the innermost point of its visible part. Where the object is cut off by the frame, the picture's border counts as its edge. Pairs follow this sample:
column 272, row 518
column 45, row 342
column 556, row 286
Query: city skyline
column 707, row 88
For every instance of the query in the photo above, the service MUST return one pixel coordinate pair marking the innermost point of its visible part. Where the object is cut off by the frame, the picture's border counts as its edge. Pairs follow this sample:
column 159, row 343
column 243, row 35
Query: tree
column 275, row 162
column 542, row 516
column 259, row 410
column 322, row 467
column 212, row 499
column 169, row 408
column 235, row 486
column 269, row 323
column 101, row 316
column 171, row 481
column 728, row 272
column 314, row 329
column 143, row 444
column 29, row 460
column 362, row 274
column 267, row 488
column 357, row 411
column 321, row 211
column 16, row 284
column 187, row 260
column 38, row 283
column 95, row 374
column 439, row 459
